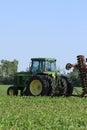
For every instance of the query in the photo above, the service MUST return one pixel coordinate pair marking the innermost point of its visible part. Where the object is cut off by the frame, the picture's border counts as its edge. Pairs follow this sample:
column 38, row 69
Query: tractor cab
column 41, row 65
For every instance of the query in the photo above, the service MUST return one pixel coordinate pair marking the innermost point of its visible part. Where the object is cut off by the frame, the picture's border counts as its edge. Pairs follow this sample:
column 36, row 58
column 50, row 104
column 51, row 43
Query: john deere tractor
column 42, row 79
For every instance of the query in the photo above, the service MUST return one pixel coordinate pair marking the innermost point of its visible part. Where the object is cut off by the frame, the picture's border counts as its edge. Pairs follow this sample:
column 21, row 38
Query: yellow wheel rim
column 36, row 87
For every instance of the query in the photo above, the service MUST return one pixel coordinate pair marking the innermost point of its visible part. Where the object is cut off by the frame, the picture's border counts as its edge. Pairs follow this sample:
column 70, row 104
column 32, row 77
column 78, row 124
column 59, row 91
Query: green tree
column 8, row 70
column 74, row 76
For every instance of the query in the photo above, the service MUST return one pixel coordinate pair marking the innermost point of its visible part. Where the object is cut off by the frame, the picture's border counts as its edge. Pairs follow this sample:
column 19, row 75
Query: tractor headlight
column 53, row 75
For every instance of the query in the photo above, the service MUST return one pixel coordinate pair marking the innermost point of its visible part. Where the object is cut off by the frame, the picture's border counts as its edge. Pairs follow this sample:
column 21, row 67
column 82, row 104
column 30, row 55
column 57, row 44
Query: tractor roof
column 43, row 59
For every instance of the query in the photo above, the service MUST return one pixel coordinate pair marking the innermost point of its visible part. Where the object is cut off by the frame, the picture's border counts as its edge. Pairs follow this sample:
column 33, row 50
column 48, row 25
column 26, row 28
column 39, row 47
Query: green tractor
column 42, row 79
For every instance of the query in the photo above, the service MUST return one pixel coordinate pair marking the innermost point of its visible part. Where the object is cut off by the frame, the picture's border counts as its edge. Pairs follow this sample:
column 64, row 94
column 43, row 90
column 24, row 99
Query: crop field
column 42, row 113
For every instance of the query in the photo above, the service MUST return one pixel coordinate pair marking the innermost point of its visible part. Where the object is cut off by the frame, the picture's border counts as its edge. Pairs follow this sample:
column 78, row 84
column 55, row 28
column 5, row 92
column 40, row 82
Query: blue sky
column 43, row 28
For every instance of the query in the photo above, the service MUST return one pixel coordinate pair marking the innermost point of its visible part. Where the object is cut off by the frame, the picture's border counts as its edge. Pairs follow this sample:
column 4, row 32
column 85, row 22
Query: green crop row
column 42, row 113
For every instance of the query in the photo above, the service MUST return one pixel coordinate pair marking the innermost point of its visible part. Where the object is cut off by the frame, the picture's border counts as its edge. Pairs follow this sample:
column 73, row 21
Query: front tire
column 12, row 91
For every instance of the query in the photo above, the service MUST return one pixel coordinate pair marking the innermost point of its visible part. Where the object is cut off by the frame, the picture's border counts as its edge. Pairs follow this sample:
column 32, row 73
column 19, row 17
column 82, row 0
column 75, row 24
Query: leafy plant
column 42, row 113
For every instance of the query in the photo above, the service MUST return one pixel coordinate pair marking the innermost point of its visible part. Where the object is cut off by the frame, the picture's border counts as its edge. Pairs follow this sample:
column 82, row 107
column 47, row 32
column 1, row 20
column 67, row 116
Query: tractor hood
column 53, row 74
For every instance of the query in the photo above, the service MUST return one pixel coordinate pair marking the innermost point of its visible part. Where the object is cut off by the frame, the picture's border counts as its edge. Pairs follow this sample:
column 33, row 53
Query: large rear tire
column 37, row 86
column 49, row 84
